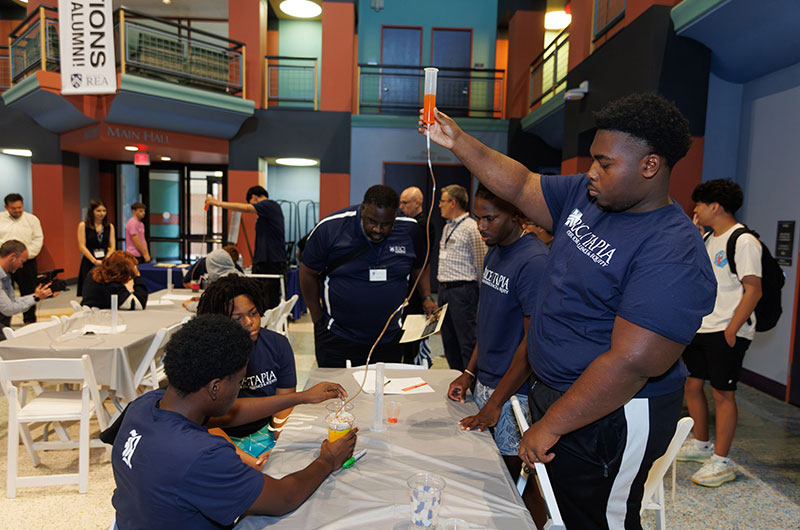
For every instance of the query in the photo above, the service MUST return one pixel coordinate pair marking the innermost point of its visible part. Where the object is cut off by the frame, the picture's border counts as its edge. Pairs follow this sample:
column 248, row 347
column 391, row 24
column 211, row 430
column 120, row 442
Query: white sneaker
column 692, row 452
column 714, row 472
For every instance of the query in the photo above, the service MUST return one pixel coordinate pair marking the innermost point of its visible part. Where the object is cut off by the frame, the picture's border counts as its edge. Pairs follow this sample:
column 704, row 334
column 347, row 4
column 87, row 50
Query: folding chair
column 653, row 498
column 393, row 366
column 160, row 374
column 555, row 522
column 45, row 407
column 268, row 320
column 280, row 323
column 30, row 328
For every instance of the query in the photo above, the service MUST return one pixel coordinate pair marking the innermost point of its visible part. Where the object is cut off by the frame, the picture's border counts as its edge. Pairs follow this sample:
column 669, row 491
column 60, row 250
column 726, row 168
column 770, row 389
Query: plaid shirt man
column 461, row 251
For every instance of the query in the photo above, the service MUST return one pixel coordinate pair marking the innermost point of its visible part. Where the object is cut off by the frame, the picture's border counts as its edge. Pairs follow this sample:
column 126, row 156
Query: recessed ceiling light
column 168, row 2
column 218, row 173
column 557, row 20
column 131, row 148
column 301, row 8
column 17, row 152
column 301, row 162
column 165, row 159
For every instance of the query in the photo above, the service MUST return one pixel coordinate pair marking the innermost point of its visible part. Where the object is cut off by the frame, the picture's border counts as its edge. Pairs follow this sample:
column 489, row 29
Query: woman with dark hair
column 95, row 239
column 118, row 274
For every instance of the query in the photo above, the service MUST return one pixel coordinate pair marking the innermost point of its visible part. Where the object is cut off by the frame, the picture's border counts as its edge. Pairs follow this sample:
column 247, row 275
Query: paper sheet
column 159, row 302
column 395, row 385
column 417, row 327
column 178, row 297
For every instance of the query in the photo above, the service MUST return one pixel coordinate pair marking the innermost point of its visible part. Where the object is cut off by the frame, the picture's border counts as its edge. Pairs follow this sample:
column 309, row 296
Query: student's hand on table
column 443, row 131
column 458, row 388
column 487, row 417
column 536, row 442
column 323, row 392
column 336, row 453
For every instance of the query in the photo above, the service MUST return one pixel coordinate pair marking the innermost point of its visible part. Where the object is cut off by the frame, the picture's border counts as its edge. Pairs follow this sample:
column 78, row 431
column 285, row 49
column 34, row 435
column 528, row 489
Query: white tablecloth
column 373, row 494
column 115, row 357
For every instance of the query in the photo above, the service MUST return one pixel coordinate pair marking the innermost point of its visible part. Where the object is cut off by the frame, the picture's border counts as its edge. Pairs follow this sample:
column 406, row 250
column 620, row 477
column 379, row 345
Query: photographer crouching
column 13, row 255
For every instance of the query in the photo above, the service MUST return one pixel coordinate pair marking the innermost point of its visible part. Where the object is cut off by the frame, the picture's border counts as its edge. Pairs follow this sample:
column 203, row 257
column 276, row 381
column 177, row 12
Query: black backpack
column 768, row 310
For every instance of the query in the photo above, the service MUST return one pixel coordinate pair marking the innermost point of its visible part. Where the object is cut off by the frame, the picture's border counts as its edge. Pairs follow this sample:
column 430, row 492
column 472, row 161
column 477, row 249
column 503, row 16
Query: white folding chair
column 555, row 522
column 161, row 375
column 653, row 498
column 77, row 405
column 280, row 323
column 30, row 328
column 269, row 317
column 393, row 366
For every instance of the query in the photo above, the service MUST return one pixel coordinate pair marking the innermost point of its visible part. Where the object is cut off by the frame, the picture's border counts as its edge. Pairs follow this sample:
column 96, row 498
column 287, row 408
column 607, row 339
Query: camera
column 56, row 284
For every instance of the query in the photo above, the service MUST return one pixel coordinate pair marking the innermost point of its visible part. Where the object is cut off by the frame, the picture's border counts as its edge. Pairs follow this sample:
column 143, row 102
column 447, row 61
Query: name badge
column 442, row 255
column 99, row 253
column 377, row 275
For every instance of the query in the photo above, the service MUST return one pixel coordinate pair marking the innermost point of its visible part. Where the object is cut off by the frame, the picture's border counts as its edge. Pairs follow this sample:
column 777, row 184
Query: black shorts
column 333, row 351
column 709, row 357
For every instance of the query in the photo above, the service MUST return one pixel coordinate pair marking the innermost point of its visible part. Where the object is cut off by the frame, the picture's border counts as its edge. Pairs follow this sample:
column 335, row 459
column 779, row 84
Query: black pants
column 333, row 351
column 272, row 288
column 599, row 470
column 26, row 281
column 460, row 322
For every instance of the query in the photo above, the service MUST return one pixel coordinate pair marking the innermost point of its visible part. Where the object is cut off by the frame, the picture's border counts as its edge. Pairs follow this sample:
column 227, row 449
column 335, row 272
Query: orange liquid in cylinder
column 427, row 109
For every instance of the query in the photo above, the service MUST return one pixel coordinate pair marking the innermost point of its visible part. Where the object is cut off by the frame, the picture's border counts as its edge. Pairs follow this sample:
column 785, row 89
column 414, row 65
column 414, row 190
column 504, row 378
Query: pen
column 387, row 382
column 413, row 387
column 353, row 459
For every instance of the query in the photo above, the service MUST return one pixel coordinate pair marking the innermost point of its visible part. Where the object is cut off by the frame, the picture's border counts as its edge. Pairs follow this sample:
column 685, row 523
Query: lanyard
column 453, row 230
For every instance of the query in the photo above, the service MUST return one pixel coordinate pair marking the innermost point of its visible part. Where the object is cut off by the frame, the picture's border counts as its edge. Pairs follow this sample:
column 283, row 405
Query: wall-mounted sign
column 784, row 246
column 86, row 47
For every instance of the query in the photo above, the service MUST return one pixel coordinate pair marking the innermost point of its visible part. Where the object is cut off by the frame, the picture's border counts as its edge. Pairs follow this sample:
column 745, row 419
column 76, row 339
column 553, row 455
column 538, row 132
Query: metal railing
column 28, row 40
column 157, row 48
column 397, row 89
column 549, row 70
column 292, row 81
column 5, row 69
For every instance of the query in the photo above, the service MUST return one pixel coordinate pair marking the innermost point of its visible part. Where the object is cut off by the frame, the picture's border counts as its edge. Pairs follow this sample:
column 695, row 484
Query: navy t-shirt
column 271, row 366
column 171, row 473
column 354, row 307
column 270, row 233
column 510, row 282
column 649, row 268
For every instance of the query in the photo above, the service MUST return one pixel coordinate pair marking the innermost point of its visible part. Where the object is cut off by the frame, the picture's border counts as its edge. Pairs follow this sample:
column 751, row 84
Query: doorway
column 400, row 87
column 451, row 52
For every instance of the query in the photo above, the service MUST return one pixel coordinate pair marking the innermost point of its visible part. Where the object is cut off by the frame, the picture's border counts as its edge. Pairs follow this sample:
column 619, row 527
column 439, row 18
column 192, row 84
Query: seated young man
column 170, row 472
column 270, row 372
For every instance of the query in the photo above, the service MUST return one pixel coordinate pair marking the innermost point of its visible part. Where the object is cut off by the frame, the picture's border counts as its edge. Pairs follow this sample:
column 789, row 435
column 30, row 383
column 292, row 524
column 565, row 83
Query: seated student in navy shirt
column 271, row 370
column 627, row 283
column 512, row 272
column 365, row 258
column 170, row 472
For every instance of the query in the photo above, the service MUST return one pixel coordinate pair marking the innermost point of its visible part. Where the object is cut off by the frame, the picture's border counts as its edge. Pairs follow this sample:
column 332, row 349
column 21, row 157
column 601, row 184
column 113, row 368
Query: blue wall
column 752, row 136
column 295, row 184
column 298, row 38
column 15, row 177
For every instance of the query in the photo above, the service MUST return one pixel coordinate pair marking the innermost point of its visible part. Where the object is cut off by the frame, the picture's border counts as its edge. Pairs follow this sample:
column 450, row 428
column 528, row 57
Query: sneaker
column 692, row 452
column 714, row 472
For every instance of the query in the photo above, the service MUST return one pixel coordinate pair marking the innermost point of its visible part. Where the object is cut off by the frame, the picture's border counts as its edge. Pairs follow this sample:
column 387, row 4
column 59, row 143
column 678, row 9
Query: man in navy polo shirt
column 270, row 252
column 626, row 285
column 170, row 472
column 512, row 271
column 356, row 269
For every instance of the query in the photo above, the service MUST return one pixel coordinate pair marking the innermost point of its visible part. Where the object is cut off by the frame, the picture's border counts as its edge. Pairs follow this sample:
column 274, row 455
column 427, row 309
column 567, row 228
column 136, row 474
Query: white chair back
column 555, row 522
column 9, row 332
column 148, row 363
column 30, row 328
column 281, row 322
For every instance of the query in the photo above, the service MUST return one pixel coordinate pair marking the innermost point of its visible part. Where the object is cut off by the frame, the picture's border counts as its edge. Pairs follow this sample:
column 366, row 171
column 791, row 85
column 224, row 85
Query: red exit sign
column 141, row 159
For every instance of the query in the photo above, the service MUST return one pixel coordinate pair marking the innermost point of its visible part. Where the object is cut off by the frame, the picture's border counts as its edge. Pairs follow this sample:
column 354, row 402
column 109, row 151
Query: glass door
column 205, row 230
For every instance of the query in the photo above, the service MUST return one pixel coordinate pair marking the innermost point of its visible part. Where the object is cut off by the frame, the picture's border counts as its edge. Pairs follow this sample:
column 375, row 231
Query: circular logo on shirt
column 720, row 260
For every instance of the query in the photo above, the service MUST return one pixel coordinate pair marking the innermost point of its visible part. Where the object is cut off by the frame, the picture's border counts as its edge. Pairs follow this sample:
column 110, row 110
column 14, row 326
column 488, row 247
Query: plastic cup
column 336, row 404
column 392, row 411
column 426, row 499
column 339, row 424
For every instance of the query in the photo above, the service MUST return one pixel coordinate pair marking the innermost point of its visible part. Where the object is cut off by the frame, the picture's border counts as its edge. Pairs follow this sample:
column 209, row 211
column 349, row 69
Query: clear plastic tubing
column 430, row 94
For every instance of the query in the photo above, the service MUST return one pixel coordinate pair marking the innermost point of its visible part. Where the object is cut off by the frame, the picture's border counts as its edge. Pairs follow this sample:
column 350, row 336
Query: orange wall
column 500, row 63
column 246, row 22
column 580, row 31
column 338, row 27
column 239, row 181
column 525, row 43
column 687, row 174
column 576, row 165
column 334, row 192
column 57, row 204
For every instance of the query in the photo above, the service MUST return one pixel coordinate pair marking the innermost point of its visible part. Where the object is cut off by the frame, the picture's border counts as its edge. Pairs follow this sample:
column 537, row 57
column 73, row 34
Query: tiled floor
column 765, row 495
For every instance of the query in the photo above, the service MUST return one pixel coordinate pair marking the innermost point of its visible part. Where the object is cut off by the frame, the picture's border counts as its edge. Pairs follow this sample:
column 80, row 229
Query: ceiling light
column 168, row 2
column 131, row 148
column 165, row 159
column 218, row 173
column 557, row 20
column 17, row 152
column 301, row 162
column 301, row 8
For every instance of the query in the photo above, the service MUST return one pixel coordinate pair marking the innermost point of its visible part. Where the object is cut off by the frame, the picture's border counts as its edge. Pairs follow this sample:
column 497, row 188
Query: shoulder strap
column 350, row 256
column 730, row 248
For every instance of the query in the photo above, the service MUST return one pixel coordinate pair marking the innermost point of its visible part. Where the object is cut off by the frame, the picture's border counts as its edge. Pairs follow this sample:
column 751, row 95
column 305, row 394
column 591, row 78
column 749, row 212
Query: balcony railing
column 292, row 82
column 549, row 70
column 394, row 89
column 5, row 69
column 28, row 40
column 144, row 45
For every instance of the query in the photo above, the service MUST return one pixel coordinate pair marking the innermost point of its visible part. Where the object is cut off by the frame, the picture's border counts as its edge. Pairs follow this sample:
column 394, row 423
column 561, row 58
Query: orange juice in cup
column 339, row 424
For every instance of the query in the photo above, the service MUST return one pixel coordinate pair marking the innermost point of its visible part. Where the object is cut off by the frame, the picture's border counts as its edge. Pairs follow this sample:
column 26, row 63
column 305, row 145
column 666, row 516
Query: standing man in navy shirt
column 356, row 269
column 626, row 285
column 270, row 252
column 512, row 272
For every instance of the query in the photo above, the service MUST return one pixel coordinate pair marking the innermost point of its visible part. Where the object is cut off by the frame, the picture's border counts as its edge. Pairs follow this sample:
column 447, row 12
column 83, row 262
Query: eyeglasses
column 443, row 201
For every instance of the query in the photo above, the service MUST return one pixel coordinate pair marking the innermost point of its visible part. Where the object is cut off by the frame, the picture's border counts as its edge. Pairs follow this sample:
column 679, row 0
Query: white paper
column 418, row 327
column 102, row 330
column 159, row 302
column 395, row 385
column 178, row 297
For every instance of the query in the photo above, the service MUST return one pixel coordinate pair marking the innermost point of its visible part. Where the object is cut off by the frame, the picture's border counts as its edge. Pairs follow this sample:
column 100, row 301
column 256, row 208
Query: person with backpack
column 717, row 350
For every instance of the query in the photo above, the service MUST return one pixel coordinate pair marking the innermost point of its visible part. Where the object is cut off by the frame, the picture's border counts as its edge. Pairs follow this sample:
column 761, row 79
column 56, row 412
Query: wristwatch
column 429, row 297
column 36, row 298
